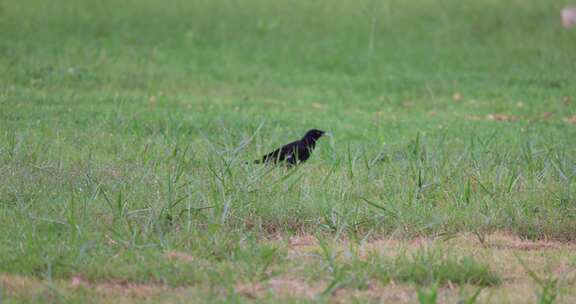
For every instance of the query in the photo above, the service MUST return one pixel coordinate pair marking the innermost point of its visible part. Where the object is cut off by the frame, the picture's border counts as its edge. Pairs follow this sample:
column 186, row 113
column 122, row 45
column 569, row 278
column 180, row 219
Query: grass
column 124, row 128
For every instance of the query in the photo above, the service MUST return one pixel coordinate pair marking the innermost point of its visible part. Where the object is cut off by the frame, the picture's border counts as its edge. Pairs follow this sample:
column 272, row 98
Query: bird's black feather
column 295, row 152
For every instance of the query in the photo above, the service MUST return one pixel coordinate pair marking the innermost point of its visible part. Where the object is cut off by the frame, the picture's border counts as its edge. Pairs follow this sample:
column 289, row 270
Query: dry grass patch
column 502, row 252
column 552, row 261
column 281, row 286
column 179, row 256
column 20, row 286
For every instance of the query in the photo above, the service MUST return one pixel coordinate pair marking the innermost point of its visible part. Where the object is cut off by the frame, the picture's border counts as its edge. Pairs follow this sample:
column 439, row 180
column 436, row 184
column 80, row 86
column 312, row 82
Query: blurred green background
column 119, row 119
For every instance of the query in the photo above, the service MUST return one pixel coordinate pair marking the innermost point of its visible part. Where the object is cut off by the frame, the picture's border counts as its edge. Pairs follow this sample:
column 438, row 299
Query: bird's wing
column 282, row 153
column 304, row 149
column 303, row 152
column 292, row 158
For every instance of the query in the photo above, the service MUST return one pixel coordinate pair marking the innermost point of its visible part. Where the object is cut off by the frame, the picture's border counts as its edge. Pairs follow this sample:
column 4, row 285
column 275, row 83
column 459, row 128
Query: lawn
column 125, row 128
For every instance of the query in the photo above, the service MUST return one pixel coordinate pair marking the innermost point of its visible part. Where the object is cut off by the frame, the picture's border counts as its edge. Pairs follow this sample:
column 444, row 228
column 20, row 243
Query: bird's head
column 314, row 134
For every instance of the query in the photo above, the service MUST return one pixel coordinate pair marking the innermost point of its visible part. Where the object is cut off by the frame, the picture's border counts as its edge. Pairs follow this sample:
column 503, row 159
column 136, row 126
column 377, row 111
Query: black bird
column 295, row 152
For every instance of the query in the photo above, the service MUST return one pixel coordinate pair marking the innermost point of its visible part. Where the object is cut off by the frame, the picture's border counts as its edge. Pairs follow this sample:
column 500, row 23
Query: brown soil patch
column 125, row 288
column 179, row 256
column 509, row 241
column 20, row 285
column 377, row 293
column 303, row 240
column 501, row 251
column 570, row 119
column 281, row 287
column 306, row 245
column 17, row 282
column 501, row 117
column 302, row 246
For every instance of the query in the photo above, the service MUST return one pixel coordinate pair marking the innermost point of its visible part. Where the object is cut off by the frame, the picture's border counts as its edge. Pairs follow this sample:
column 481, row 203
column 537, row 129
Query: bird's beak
column 327, row 134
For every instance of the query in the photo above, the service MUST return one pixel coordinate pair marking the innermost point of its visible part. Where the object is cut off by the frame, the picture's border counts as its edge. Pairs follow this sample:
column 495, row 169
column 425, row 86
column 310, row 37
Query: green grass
column 423, row 267
column 124, row 128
